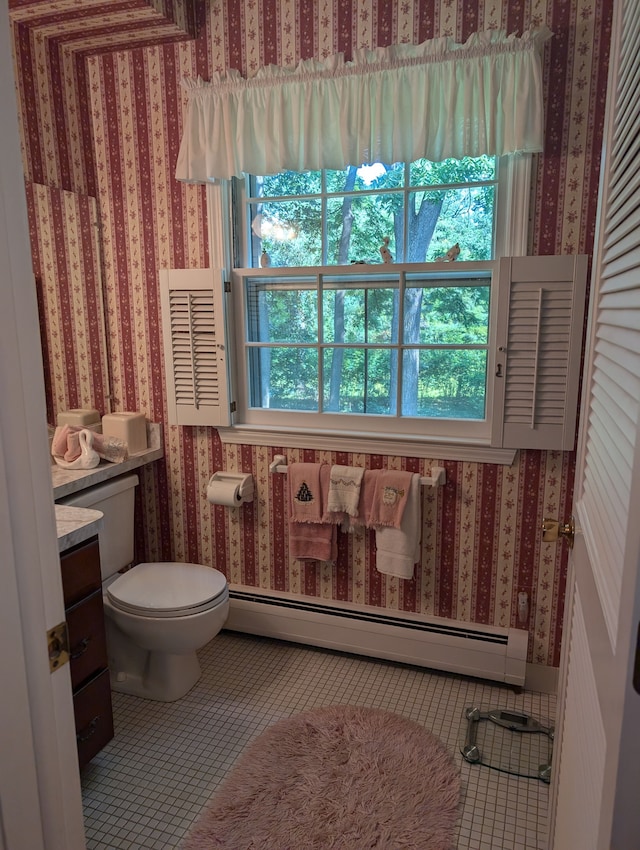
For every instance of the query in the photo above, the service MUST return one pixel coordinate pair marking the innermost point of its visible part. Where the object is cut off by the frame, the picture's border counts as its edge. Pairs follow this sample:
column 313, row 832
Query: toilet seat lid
column 162, row 589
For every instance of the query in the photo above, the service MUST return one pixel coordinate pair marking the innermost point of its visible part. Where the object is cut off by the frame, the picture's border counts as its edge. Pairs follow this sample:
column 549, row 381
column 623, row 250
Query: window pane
column 444, row 218
column 356, row 226
column 374, row 176
column 422, row 172
column 357, row 380
column 286, row 183
column 281, row 312
column 447, row 315
column 448, row 384
column 289, row 231
column 360, row 315
column 284, row 378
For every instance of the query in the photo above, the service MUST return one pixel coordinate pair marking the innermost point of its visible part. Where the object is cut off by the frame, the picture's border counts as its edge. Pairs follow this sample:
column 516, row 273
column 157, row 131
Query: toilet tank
column 115, row 498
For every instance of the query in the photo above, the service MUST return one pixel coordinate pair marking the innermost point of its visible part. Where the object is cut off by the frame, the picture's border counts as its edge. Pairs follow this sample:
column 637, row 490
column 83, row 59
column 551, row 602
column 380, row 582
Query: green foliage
column 450, row 378
column 448, row 202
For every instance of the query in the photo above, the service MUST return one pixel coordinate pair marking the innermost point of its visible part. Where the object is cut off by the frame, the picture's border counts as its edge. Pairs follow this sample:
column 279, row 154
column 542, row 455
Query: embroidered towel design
column 398, row 549
column 344, row 489
column 304, row 492
column 390, row 497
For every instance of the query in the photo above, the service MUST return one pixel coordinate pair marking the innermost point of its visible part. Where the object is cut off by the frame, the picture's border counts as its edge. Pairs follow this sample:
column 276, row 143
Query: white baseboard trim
column 486, row 652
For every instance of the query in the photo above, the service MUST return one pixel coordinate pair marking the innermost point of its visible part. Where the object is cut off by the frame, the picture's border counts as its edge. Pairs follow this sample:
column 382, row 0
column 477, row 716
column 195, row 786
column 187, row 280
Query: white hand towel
column 344, row 489
column 398, row 549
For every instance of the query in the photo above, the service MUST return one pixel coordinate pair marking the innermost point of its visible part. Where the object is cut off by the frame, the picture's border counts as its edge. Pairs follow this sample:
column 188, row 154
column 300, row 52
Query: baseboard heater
column 487, row 652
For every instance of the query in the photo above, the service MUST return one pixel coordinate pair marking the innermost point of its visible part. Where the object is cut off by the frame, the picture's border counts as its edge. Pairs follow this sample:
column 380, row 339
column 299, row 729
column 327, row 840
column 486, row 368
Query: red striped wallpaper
column 110, row 125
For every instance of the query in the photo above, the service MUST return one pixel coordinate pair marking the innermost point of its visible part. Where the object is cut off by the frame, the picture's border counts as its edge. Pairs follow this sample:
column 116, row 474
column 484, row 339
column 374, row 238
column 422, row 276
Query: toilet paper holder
column 240, row 482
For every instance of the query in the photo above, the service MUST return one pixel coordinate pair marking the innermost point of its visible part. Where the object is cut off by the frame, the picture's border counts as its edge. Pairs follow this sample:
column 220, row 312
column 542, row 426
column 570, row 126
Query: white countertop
column 68, row 481
column 75, row 525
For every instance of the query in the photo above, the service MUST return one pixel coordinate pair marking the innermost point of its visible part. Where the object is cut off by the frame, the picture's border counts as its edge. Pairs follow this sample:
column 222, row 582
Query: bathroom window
column 312, row 338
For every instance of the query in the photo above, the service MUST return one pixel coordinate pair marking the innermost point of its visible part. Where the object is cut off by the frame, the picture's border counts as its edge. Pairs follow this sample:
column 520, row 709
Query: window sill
column 360, row 443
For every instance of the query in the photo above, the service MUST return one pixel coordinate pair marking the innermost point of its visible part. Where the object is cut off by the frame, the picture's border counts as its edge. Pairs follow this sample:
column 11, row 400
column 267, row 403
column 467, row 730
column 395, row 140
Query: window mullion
column 366, row 350
column 400, row 344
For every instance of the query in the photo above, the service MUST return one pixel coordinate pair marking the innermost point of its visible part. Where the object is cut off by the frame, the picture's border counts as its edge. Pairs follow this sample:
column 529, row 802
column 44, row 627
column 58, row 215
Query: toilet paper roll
column 230, row 490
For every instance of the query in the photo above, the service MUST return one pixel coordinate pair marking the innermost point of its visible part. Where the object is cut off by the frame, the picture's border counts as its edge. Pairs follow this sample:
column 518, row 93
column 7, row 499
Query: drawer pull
column 80, row 648
column 88, row 731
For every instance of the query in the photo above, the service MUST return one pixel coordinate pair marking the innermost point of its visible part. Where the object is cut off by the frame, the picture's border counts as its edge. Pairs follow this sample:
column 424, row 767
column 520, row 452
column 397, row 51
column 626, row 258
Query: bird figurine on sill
column 385, row 253
column 452, row 254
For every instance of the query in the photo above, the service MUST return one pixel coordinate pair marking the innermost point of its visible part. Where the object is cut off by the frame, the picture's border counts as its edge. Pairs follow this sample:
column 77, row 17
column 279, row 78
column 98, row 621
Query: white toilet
column 158, row 614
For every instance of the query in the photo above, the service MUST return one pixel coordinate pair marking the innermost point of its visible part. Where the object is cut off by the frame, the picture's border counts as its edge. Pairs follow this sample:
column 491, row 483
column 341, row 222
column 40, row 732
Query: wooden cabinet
column 82, row 588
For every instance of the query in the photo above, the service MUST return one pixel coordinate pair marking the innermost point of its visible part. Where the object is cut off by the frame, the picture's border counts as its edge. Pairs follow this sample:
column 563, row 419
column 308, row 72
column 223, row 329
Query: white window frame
column 551, row 288
column 328, row 430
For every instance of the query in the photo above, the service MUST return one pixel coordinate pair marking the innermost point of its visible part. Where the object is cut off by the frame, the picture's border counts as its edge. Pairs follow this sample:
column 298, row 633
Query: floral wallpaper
column 108, row 124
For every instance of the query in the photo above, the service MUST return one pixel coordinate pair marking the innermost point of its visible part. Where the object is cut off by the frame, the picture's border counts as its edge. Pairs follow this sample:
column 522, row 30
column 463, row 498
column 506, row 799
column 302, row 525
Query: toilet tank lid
column 167, row 586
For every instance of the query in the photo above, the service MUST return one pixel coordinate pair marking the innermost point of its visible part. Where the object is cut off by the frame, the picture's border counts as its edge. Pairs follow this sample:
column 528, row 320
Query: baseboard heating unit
column 487, row 652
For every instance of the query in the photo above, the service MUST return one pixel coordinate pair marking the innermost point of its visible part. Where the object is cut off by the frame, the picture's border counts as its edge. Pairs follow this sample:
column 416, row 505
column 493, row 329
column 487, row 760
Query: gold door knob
column 552, row 529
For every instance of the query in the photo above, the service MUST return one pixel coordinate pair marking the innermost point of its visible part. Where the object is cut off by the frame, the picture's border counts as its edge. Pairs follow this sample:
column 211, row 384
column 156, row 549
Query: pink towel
column 304, row 491
column 390, row 497
column 313, row 541
column 314, row 538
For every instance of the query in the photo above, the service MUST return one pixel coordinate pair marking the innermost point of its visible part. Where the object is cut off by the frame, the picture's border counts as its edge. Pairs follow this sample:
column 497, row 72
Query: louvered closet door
column 193, row 318
column 596, row 787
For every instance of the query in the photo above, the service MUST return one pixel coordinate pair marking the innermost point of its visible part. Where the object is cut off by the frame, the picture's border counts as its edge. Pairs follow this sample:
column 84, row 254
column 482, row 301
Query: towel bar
column 437, row 478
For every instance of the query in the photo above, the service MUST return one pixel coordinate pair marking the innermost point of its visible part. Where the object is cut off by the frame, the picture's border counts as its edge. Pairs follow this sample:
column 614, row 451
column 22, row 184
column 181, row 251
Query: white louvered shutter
column 539, row 339
column 193, row 321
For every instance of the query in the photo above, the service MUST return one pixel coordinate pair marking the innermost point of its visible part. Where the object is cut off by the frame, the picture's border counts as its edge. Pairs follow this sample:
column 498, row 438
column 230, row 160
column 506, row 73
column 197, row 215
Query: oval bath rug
column 335, row 778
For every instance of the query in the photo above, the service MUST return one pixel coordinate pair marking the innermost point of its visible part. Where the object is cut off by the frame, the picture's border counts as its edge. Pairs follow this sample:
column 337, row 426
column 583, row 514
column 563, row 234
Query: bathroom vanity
column 82, row 591
column 78, row 544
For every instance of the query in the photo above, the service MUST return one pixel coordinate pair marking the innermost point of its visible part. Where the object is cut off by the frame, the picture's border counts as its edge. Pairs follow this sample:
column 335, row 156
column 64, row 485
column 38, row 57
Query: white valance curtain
column 434, row 100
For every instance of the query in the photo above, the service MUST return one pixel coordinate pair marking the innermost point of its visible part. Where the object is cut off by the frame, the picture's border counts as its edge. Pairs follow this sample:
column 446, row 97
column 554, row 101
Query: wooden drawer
column 87, row 640
column 94, row 720
column 80, row 571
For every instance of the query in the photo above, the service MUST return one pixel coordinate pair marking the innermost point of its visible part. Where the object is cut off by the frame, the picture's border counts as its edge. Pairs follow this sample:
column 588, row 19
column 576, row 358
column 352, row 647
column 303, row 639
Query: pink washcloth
column 398, row 549
column 59, row 442
column 344, row 489
column 389, row 498
column 304, row 491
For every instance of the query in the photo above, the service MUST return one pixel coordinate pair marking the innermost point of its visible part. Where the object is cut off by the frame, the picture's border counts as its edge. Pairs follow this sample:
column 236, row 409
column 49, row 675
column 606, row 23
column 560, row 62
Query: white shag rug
column 335, row 778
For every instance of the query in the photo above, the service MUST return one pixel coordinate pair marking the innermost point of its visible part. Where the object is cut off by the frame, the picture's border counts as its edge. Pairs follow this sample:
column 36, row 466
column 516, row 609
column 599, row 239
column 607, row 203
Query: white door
column 40, row 803
column 596, row 781
column 18, row 777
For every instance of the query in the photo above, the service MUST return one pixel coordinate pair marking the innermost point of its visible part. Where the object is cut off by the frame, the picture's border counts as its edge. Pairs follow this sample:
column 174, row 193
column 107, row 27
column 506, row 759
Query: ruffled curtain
column 434, row 100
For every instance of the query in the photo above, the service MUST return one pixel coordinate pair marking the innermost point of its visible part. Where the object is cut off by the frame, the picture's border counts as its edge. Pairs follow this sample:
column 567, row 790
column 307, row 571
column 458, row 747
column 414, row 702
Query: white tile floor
column 148, row 785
